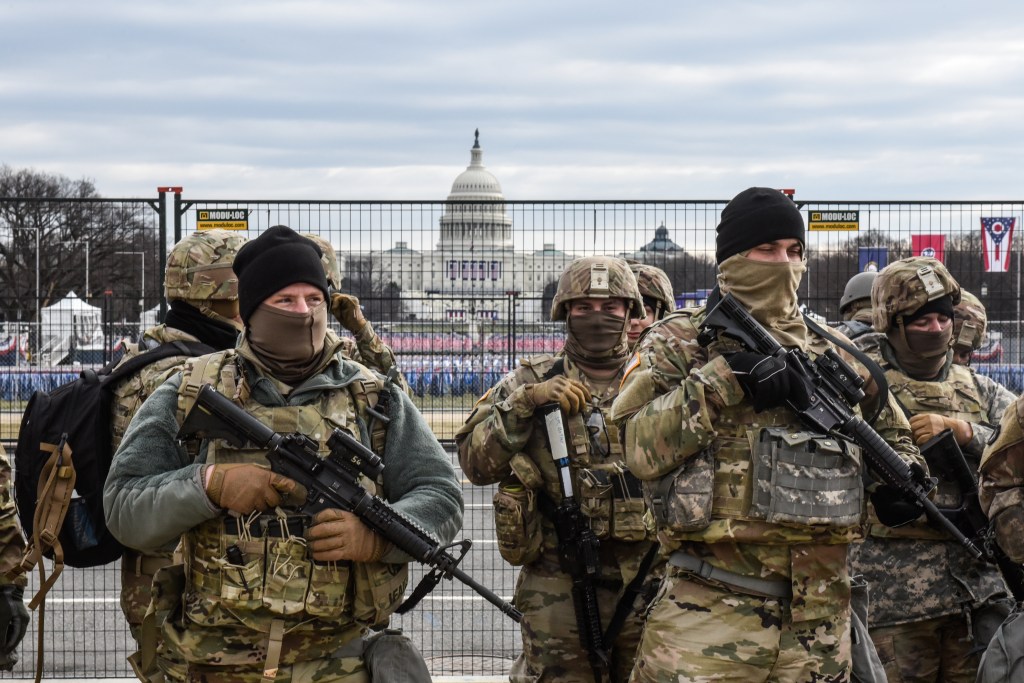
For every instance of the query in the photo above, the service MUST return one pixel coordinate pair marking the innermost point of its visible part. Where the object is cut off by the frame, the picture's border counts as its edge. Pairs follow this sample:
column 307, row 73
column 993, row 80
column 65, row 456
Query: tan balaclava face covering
column 288, row 344
column 597, row 339
column 922, row 354
column 768, row 290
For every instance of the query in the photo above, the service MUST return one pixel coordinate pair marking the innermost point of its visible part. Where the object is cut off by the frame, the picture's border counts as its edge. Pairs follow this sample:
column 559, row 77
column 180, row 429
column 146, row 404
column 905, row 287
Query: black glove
column 893, row 508
column 13, row 623
column 768, row 380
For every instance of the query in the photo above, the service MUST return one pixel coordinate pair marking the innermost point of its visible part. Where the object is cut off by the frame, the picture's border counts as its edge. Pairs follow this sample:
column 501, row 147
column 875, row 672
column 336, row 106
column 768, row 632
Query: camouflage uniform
column 969, row 321
column 913, row 621
column 198, row 272
column 12, row 547
column 654, row 284
column 1001, row 482
column 300, row 619
column 366, row 348
column 656, row 291
column 751, row 591
column 12, row 541
column 504, row 442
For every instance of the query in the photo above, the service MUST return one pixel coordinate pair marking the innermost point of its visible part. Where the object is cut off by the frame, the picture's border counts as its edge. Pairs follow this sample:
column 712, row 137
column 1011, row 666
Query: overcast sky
column 574, row 100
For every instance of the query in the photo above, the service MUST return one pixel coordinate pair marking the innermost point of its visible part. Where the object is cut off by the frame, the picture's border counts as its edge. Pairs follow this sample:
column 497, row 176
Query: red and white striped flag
column 996, row 243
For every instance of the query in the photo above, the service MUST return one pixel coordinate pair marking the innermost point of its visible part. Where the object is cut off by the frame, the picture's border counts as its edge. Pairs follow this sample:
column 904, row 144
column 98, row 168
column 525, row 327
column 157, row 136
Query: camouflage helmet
column 857, row 288
column 199, row 267
column 654, row 284
column 597, row 277
column 329, row 258
column 906, row 285
column 969, row 321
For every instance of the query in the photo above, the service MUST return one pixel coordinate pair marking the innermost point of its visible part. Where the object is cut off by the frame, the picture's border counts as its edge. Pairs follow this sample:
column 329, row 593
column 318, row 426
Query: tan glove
column 927, row 425
column 345, row 308
column 338, row 535
column 569, row 394
column 245, row 488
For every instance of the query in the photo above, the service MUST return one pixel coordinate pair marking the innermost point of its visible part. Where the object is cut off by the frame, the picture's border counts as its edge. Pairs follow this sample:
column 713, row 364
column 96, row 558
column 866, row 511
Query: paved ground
column 458, row 632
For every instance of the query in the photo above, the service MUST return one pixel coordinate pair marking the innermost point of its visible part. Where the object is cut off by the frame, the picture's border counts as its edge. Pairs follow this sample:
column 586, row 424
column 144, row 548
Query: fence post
column 162, row 254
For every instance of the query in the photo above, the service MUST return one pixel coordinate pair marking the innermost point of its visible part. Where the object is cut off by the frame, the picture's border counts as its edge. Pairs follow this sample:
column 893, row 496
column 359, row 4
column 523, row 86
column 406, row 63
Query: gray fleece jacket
column 154, row 492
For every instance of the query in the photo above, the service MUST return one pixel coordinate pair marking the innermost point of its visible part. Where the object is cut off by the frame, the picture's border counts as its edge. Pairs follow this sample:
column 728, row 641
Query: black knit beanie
column 943, row 306
column 277, row 258
column 756, row 216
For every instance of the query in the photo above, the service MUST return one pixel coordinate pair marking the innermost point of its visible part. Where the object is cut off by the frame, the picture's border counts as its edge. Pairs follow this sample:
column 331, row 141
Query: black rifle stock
column 833, row 386
column 333, row 482
column 945, row 457
column 577, row 548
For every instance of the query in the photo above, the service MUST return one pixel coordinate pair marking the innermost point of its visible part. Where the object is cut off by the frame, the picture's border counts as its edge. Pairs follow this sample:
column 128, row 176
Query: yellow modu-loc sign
column 833, row 220
column 224, row 219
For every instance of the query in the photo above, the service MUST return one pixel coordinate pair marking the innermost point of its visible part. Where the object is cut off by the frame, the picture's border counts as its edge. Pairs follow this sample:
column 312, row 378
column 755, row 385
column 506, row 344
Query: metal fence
column 460, row 291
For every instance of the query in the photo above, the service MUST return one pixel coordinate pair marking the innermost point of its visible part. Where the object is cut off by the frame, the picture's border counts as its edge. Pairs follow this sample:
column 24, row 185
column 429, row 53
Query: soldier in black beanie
column 757, row 577
column 283, row 298
column 755, row 216
column 277, row 258
column 323, row 579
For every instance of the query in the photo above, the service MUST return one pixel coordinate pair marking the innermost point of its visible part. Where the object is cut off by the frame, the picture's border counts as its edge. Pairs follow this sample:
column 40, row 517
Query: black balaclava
column 183, row 316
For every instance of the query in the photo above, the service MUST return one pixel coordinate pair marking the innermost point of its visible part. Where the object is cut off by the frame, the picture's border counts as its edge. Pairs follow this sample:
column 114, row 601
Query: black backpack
column 61, row 462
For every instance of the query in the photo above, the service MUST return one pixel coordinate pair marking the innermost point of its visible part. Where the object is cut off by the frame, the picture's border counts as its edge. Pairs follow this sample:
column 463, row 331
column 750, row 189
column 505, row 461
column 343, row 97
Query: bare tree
column 59, row 235
column 829, row 271
column 687, row 272
column 379, row 295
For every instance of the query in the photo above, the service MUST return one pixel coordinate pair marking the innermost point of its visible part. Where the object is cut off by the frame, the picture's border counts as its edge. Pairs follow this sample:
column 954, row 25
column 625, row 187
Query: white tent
column 69, row 324
column 149, row 319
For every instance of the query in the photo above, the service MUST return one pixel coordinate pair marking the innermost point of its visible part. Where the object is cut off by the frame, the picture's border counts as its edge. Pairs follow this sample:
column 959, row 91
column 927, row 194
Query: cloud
column 333, row 99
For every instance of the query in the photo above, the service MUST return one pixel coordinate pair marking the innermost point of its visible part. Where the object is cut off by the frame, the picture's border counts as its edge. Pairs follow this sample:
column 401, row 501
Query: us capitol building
column 475, row 274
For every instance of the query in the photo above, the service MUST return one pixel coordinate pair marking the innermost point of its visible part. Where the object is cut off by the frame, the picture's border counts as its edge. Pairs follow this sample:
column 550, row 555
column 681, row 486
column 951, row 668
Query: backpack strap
column 165, row 350
column 56, row 486
column 375, row 391
column 58, row 476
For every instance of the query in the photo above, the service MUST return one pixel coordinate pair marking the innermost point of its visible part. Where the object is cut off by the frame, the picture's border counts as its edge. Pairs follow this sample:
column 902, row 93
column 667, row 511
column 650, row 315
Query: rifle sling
column 877, row 374
column 625, row 603
column 422, row 590
column 547, row 507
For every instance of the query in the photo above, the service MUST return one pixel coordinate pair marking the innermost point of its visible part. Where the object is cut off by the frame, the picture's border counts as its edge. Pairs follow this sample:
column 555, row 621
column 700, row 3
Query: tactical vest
column 958, row 397
column 764, row 479
column 273, row 576
column 609, row 495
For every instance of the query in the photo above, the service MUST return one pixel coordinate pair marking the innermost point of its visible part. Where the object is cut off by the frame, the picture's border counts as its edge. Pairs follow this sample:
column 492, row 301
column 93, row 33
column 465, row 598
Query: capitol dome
column 476, row 182
column 474, row 213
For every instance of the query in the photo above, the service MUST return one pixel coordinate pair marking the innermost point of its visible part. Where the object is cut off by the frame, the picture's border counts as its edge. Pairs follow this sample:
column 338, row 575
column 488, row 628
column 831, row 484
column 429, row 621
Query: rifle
column 833, row 387
column 333, row 482
column 945, row 458
column 577, row 548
